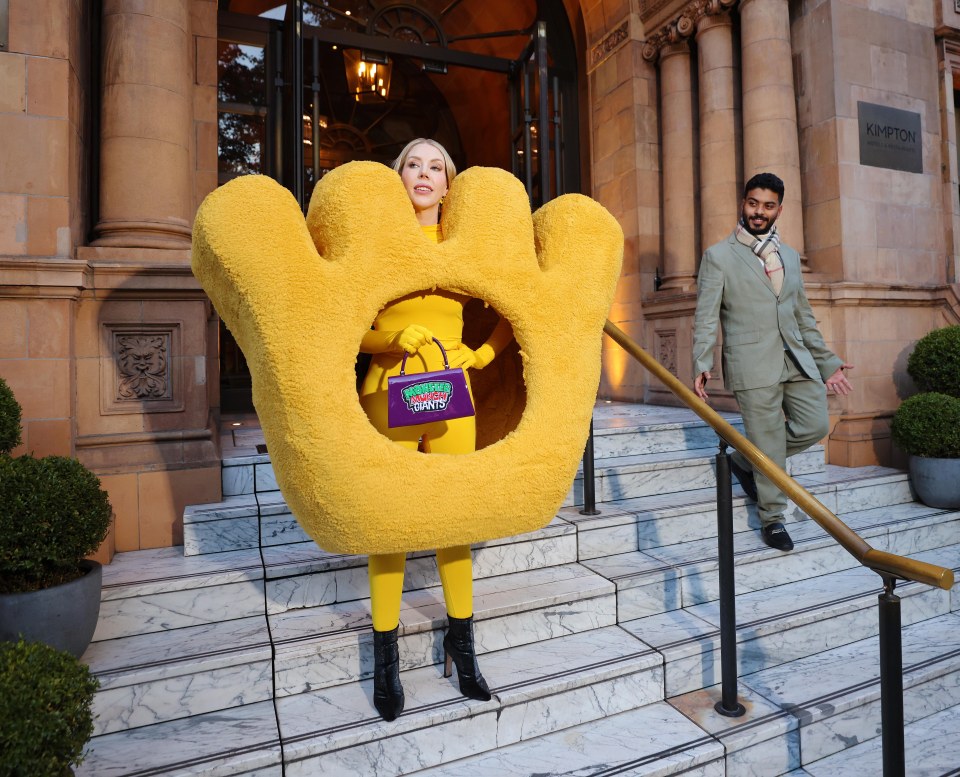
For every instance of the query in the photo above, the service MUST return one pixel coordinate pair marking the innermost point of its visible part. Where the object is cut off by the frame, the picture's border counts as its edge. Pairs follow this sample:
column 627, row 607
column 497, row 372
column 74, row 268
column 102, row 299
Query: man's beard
column 745, row 222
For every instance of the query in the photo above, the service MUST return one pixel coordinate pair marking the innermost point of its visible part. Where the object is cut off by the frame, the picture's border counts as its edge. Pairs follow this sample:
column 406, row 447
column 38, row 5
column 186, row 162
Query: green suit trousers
column 781, row 420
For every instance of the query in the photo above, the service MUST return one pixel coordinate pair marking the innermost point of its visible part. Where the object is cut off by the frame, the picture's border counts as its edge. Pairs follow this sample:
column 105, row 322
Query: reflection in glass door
column 243, row 148
column 241, row 109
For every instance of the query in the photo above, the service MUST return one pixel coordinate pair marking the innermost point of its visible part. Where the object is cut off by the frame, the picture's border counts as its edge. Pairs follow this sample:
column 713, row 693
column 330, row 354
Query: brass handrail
column 877, row 560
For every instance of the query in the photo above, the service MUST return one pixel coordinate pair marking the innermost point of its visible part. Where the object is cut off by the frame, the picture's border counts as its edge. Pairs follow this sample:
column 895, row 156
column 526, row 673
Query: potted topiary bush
column 934, row 363
column 53, row 513
column 45, row 710
column 927, row 425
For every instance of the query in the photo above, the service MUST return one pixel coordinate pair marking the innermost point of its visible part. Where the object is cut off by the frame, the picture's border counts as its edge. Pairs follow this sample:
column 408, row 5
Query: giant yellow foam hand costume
column 299, row 296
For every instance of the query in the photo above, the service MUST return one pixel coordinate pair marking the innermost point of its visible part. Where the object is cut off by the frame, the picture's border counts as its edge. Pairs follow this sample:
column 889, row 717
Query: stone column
column 145, row 191
column 679, row 214
column 719, row 144
column 770, row 137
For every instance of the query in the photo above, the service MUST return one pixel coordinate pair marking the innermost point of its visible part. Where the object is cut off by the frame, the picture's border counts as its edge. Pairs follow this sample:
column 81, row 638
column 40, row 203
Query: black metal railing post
column 891, row 680
column 589, row 478
column 728, row 704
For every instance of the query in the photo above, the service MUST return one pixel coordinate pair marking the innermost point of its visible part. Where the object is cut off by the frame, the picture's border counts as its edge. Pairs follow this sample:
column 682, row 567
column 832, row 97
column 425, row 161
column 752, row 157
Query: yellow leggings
column 386, row 584
column 455, row 564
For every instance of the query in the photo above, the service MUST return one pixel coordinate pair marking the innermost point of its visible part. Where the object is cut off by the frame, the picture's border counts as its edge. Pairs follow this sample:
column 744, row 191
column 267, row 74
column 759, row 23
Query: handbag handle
column 446, row 364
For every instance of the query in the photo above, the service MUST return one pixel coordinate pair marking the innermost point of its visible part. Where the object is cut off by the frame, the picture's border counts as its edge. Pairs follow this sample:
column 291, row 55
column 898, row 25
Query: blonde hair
column 449, row 167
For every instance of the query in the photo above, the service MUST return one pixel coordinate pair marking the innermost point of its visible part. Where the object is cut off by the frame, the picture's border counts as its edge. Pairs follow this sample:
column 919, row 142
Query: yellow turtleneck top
column 439, row 311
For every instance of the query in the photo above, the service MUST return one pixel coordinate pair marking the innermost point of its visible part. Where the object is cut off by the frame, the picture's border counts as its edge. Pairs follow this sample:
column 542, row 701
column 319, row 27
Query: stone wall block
column 48, row 85
column 203, row 18
column 206, row 62
column 13, row 324
column 50, row 324
column 41, row 27
column 41, row 164
column 13, row 224
column 48, row 226
column 13, row 77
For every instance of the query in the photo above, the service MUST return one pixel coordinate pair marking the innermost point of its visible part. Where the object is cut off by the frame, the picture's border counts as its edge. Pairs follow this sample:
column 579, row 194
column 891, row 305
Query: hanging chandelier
column 368, row 75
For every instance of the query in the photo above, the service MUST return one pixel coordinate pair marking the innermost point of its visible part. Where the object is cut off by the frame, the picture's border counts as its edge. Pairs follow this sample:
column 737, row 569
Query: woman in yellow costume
column 409, row 325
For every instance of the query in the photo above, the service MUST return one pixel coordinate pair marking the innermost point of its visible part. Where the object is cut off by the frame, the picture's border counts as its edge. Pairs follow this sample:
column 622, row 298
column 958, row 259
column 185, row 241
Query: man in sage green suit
column 749, row 287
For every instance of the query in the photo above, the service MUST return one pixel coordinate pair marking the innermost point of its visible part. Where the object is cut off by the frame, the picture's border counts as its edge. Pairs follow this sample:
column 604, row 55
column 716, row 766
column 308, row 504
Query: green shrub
column 10, row 414
column 45, row 717
column 928, row 425
column 934, row 364
column 52, row 514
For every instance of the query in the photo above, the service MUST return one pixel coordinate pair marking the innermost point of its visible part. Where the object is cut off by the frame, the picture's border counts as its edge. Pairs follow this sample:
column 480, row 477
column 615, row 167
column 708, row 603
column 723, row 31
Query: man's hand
column 838, row 382
column 700, row 383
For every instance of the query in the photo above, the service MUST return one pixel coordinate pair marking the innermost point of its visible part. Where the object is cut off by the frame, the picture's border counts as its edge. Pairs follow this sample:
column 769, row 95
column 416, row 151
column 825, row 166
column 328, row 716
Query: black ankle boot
column 458, row 645
column 387, row 691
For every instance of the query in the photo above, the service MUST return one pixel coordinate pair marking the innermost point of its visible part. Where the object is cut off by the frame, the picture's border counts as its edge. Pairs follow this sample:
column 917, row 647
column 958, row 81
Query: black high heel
column 458, row 646
column 387, row 691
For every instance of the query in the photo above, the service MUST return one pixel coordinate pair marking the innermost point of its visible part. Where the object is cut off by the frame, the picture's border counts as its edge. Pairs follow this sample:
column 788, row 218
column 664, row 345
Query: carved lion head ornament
column 299, row 295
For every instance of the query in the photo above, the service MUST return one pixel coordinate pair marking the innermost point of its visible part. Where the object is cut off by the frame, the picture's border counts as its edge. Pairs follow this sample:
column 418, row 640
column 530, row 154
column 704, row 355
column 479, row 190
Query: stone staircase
column 248, row 651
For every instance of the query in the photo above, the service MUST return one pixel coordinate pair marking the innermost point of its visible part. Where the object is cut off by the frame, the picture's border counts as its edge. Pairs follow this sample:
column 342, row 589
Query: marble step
column 666, row 578
column 652, row 741
column 766, row 740
column 239, row 742
column 653, row 521
column 264, row 520
column 306, row 576
column 325, row 646
column 648, row 429
column 835, row 696
column 538, row 688
column 931, row 749
column 784, row 623
column 240, row 522
column 251, row 520
column 619, row 429
column 151, row 678
column 155, row 677
column 648, row 474
column 244, row 475
column 150, row 591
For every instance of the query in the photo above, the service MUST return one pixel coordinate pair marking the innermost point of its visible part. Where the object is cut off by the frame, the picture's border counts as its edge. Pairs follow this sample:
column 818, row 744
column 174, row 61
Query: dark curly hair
column 764, row 181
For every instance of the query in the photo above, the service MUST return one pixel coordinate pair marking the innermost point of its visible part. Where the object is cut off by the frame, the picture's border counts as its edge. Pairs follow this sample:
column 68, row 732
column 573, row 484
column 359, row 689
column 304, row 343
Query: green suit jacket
column 734, row 295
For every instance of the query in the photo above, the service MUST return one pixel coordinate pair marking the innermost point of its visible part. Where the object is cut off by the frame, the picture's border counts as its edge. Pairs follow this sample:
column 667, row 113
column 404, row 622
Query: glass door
column 543, row 133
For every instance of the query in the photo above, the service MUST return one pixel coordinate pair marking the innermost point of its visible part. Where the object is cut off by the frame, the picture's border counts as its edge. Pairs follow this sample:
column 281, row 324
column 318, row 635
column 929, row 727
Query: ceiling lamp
column 368, row 75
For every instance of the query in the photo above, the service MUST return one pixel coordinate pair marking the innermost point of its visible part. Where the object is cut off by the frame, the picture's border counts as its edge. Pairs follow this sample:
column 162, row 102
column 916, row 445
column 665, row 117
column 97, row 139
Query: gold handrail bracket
column 878, row 560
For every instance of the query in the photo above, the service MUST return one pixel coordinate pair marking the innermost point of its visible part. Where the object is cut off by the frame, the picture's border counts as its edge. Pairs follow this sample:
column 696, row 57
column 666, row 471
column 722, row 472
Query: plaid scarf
column 767, row 247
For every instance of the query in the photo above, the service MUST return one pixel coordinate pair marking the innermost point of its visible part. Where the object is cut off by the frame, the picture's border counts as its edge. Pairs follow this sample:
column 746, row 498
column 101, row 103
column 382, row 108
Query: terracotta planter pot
column 63, row 616
column 936, row 481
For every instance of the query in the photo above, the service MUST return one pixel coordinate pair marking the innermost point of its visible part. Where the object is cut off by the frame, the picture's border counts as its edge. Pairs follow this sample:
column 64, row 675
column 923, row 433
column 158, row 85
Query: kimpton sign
column 890, row 138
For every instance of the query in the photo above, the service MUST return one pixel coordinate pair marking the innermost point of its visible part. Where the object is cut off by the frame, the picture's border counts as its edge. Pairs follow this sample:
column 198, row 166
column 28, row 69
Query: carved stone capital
column 683, row 25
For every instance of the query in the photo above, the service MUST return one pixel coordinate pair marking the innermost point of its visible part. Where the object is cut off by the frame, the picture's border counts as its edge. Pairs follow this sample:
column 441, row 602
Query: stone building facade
column 109, row 115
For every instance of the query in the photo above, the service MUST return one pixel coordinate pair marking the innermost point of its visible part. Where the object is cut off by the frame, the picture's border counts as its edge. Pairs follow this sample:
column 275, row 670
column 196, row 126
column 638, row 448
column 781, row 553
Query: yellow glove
column 465, row 357
column 412, row 338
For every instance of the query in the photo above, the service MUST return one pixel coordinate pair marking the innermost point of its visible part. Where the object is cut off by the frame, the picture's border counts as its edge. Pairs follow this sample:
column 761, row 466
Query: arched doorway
column 306, row 86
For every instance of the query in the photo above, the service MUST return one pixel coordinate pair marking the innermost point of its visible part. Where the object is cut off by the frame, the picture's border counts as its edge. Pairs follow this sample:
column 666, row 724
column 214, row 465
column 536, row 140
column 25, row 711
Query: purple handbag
column 425, row 397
